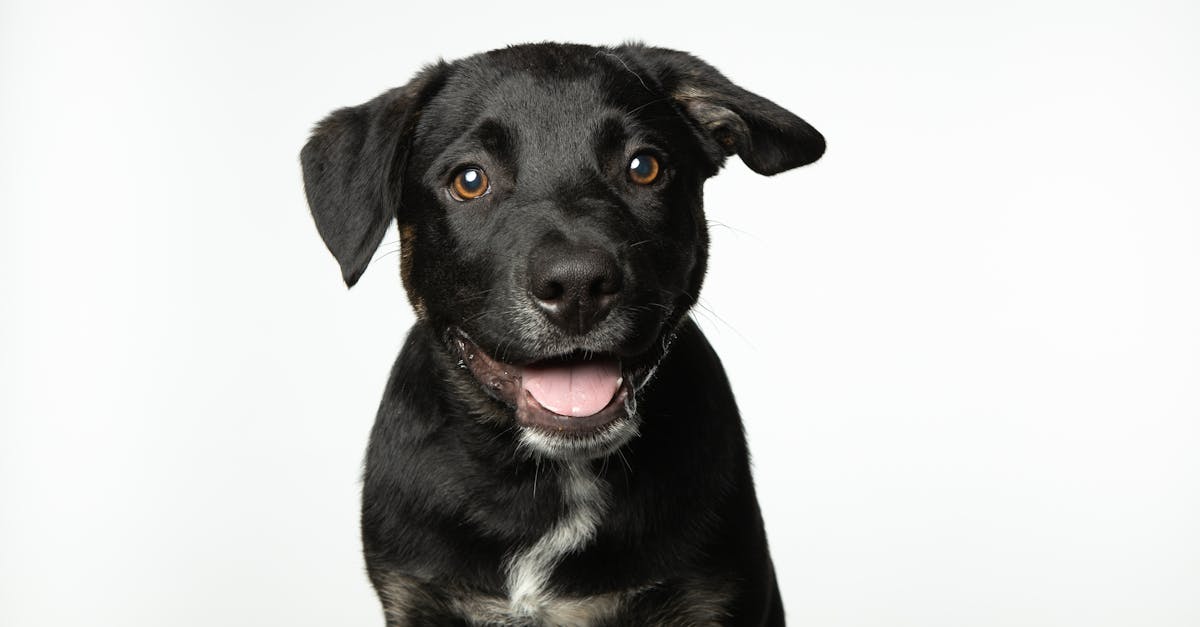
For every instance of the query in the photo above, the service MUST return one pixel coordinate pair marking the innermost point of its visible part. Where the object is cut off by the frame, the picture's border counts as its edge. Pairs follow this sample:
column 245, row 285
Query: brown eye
column 643, row 169
column 469, row 184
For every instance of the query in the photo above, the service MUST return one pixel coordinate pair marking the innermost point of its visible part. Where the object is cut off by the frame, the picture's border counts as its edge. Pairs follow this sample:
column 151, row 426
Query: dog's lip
column 503, row 381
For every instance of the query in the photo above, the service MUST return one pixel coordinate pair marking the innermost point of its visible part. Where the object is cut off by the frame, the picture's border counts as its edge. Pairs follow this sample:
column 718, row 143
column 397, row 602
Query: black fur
column 450, row 492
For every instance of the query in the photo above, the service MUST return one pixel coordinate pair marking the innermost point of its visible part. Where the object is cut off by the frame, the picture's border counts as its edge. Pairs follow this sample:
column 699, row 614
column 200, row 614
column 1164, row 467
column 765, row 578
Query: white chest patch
column 528, row 570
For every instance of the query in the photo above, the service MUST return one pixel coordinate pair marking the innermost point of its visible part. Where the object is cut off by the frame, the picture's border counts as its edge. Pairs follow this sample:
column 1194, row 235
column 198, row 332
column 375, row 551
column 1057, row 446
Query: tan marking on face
column 408, row 238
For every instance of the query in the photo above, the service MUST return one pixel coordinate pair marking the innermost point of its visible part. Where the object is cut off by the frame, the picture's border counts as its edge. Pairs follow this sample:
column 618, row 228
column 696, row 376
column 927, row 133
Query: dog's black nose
column 575, row 286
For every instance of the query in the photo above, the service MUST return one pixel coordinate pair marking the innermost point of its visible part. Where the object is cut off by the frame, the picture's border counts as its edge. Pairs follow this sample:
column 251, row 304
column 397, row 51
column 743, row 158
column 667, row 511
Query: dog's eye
column 469, row 184
column 643, row 169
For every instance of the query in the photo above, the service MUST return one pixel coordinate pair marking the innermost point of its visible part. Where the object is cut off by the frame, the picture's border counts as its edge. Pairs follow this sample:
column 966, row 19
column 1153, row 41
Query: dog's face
column 549, row 204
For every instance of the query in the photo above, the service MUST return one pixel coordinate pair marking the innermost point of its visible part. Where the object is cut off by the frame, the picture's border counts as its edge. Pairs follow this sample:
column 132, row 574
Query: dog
column 557, row 443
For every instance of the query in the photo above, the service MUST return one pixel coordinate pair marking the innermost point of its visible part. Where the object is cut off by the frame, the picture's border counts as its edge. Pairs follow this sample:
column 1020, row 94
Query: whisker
column 621, row 454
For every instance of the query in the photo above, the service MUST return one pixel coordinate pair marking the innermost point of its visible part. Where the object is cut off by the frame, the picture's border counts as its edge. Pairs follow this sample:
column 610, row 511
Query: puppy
column 557, row 443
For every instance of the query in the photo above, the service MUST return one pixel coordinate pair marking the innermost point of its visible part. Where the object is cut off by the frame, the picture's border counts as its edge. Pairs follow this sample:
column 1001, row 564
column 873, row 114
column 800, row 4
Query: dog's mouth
column 576, row 394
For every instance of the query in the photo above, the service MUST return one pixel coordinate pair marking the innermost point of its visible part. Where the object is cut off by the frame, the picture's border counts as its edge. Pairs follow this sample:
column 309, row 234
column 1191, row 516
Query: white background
column 966, row 343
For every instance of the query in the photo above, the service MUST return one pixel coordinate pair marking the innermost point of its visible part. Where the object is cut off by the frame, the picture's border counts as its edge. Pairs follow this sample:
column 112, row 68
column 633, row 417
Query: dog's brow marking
column 529, row 569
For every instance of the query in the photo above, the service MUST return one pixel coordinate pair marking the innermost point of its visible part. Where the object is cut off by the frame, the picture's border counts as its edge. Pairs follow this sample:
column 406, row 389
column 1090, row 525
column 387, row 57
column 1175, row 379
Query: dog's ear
column 768, row 138
column 352, row 167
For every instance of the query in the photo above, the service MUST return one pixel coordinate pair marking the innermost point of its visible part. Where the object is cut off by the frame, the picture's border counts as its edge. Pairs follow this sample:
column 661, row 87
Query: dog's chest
column 534, row 598
column 698, row 605
column 531, row 595
column 528, row 569
column 682, row 604
column 548, row 610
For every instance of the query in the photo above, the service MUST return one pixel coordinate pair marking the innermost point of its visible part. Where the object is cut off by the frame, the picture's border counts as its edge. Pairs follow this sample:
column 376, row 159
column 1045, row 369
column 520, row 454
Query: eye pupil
column 643, row 169
column 470, row 183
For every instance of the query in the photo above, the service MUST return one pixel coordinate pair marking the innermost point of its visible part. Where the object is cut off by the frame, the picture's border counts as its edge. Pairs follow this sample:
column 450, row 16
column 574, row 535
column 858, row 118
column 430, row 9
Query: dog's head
column 549, row 204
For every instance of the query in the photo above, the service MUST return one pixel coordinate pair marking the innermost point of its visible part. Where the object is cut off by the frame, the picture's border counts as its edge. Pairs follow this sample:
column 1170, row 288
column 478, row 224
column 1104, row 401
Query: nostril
column 548, row 290
column 606, row 285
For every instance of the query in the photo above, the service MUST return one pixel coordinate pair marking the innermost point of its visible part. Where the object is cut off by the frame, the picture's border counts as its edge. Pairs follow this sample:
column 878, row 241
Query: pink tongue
column 573, row 389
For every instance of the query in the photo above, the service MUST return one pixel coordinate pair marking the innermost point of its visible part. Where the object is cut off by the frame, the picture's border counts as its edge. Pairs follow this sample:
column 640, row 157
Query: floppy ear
column 352, row 167
column 768, row 138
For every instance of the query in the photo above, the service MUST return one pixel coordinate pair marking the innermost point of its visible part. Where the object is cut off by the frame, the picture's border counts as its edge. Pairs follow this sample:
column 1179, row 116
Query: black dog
column 557, row 444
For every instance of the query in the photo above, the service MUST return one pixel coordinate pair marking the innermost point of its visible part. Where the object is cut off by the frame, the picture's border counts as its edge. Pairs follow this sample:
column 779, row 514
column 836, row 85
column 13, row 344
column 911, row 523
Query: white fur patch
column 573, row 449
column 529, row 569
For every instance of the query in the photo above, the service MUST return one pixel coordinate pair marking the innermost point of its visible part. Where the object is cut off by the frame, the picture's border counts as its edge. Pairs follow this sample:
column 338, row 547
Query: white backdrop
column 971, row 383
